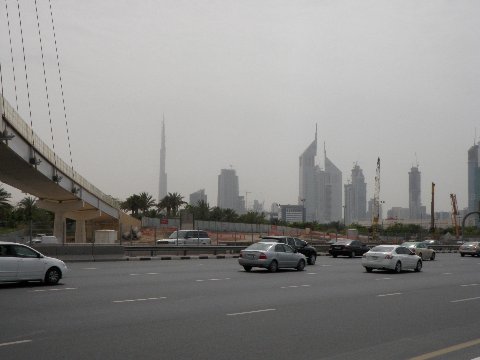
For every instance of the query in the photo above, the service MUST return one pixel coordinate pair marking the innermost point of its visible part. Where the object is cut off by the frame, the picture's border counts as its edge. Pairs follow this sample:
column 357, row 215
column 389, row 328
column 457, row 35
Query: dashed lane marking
column 387, row 278
column 60, row 289
column 145, row 274
column 202, row 280
column 391, row 294
column 138, row 300
column 467, row 285
column 15, row 343
column 250, row 312
column 467, row 299
column 294, row 286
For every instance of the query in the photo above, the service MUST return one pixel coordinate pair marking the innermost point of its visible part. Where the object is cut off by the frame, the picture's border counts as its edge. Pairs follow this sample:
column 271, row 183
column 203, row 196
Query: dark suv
column 298, row 244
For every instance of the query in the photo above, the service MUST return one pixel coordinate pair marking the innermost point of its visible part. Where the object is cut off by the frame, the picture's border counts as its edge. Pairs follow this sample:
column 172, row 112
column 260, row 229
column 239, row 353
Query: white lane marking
column 62, row 289
column 250, row 312
column 15, row 343
column 90, row 268
column 200, row 280
column 138, row 300
column 468, row 299
column 392, row 294
column 144, row 274
column 311, row 273
column 387, row 278
column 466, row 285
column 447, row 350
column 447, row 274
column 294, row 286
column 325, row 265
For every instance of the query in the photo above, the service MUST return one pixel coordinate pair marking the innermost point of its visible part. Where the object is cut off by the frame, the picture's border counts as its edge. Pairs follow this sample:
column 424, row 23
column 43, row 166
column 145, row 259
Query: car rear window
column 259, row 246
column 382, row 249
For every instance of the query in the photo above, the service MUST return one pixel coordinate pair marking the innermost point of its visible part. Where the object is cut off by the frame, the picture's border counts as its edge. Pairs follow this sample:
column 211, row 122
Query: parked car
column 391, row 257
column 298, row 244
column 421, row 249
column 271, row 256
column 186, row 237
column 19, row 262
column 471, row 248
column 45, row 239
column 348, row 247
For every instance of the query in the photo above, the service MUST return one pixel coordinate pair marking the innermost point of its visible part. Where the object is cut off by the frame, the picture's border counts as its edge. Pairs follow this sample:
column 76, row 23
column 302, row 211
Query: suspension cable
column 26, row 76
column 46, row 84
column 61, row 87
column 11, row 54
column 3, row 96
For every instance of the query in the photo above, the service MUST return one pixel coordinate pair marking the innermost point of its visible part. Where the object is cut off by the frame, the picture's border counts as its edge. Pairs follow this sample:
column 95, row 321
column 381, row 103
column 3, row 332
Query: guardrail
column 182, row 250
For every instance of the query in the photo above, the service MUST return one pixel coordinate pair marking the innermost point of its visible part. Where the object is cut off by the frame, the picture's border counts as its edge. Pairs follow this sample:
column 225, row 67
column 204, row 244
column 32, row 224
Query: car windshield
column 408, row 244
column 382, row 249
column 181, row 235
column 259, row 246
column 343, row 242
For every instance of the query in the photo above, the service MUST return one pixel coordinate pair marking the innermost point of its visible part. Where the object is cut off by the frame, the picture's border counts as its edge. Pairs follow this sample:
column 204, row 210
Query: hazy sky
column 243, row 83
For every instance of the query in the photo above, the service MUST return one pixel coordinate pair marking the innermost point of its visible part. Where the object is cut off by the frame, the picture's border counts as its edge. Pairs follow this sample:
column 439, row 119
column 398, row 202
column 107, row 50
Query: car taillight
column 389, row 256
column 262, row 256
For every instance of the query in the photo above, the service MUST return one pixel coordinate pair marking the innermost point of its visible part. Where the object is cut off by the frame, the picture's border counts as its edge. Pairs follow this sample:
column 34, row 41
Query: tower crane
column 376, row 204
column 453, row 199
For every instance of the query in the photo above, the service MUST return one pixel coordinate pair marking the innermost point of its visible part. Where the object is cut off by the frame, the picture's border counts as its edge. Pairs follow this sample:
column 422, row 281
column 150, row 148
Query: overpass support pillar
column 74, row 210
column 80, row 218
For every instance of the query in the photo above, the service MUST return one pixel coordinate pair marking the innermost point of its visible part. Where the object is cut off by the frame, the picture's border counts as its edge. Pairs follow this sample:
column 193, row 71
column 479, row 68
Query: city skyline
column 243, row 83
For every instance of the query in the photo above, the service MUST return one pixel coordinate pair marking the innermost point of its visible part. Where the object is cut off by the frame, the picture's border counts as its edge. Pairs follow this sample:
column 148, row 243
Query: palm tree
column 131, row 204
column 27, row 208
column 229, row 215
column 175, row 200
column 145, row 202
column 4, row 199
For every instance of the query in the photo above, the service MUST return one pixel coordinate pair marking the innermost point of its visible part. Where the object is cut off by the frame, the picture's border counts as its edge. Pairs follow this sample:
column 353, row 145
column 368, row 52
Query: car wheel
column 312, row 259
column 369, row 269
column 433, row 256
column 419, row 266
column 247, row 268
column 398, row 267
column 52, row 276
column 334, row 255
column 352, row 254
column 462, row 254
column 301, row 265
column 273, row 267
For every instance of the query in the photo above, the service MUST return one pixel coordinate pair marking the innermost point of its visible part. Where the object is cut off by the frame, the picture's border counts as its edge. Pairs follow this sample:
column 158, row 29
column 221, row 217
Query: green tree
column 145, row 202
column 132, row 204
column 172, row 203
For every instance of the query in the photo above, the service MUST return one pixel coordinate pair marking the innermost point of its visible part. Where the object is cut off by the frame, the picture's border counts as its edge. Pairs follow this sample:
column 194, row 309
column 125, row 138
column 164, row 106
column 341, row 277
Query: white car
column 186, row 237
column 22, row 263
column 391, row 257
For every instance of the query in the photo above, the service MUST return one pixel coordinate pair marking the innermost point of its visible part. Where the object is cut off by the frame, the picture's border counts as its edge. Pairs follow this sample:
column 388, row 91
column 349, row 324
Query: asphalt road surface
column 213, row 309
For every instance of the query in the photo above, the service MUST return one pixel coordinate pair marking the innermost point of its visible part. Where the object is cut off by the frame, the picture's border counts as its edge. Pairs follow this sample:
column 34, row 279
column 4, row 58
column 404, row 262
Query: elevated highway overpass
column 28, row 164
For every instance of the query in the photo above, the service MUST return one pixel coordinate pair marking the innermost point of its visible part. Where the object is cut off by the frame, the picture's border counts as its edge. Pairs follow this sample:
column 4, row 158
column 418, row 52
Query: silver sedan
column 271, row 256
column 391, row 257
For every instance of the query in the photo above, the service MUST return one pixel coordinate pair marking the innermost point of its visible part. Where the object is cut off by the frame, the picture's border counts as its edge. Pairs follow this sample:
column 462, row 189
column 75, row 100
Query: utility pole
column 432, row 210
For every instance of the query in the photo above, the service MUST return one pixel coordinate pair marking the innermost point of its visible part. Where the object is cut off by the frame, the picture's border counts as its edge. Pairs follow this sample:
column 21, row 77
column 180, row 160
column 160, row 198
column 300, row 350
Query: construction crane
column 453, row 198
column 376, row 204
column 432, row 210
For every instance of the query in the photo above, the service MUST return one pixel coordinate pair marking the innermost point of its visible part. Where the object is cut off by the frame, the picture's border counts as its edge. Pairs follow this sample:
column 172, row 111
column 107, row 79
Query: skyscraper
column 228, row 191
column 356, row 197
column 320, row 191
column 414, row 193
column 474, row 178
column 198, row 196
column 308, row 181
column 162, row 187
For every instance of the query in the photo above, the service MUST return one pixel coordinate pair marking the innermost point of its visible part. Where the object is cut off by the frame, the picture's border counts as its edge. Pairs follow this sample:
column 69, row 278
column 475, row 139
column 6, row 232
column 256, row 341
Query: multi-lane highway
column 212, row 309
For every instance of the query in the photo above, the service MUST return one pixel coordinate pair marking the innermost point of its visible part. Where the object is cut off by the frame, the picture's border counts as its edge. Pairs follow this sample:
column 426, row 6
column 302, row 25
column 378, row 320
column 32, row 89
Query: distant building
column 398, row 213
column 474, row 178
column 292, row 213
column 162, row 186
column 228, row 192
column 416, row 210
column 320, row 191
column 258, row 206
column 198, row 196
column 356, row 197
